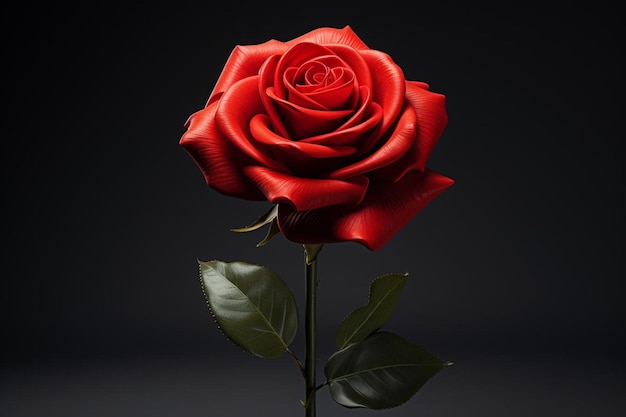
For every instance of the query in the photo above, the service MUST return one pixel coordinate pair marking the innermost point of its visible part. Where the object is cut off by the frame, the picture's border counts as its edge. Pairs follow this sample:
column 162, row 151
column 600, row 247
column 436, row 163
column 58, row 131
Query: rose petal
column 294, row 57
column 326, row 83
column 355, row 62
column 236, row 108
column 430, row 109
column 296, row 96
column 432, row 118
column 266, row 74
column 315, row 156
column 326, row 35
column 388, row 85
column 397, row 170
column 364, row 107
column 385, row 210
column 218, row 160
column 245, row 61
column 302, row 122
column 394, row 146
column 353, row 134
column 260, row 127
column 306, row 194
column 352, row 58
column 303, row 158
column 354, row 131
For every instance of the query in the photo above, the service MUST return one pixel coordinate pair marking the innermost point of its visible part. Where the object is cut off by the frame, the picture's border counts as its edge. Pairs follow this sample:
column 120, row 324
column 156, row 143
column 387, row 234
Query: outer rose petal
column 430, row 109
column 307, row 194
column 386, row 208
column 216, row 156
column 236, row 108
column 244, row 61
column 326, row 35
column 432, row 118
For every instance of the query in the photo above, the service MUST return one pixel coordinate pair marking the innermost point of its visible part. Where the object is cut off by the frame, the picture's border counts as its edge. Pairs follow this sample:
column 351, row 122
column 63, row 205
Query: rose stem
column 310, row 359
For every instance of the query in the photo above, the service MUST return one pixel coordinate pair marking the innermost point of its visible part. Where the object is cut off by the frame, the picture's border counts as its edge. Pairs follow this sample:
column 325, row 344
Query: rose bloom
column 325, row 128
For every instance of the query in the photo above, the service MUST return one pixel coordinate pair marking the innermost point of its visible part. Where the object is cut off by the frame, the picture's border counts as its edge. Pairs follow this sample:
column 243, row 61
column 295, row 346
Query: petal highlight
column 219, row 161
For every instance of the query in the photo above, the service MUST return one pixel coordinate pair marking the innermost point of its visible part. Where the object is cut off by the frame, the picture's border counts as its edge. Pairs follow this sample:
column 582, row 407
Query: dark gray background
column 516, row 272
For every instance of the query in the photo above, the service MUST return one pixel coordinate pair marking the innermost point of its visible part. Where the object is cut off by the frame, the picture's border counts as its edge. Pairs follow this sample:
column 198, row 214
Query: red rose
column 326, row 128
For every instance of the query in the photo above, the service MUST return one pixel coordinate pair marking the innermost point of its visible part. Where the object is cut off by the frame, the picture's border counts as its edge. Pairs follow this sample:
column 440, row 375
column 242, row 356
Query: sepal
column 260, row 221
column 311, row 250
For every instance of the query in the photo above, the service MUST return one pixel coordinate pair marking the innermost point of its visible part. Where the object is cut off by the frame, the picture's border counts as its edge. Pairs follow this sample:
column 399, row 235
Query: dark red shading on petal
column 306, row 194
column 236, row 108
column 260, row 128
column 245, row 61
column 301, row 122
column 356, row 62
column 430, row 110
column 389, row 86
column 395, row 145
column 301, row 158
column 359, row 101
column 218, row 160
column 353, row 133
column 300, row 114
column 266, row 77
column 328, row 86
column 385, row 210
column 327, row 35
column 294, row 57
column 317, row 155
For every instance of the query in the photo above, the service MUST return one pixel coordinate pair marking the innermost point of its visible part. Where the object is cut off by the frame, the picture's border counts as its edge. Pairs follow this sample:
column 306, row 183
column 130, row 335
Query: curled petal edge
column 385, row 210
column 307, row 194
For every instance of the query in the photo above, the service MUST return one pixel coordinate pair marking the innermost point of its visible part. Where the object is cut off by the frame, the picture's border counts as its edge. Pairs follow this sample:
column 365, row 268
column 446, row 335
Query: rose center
column 321, row 75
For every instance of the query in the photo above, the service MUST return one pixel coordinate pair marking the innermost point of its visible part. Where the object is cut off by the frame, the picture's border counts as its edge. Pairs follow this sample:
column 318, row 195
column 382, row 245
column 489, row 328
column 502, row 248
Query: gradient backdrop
column 516, row 272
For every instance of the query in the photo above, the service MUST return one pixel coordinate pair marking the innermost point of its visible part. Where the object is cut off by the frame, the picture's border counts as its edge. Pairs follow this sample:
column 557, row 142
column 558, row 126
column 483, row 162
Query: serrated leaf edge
column 442, row 365
column 217, row 321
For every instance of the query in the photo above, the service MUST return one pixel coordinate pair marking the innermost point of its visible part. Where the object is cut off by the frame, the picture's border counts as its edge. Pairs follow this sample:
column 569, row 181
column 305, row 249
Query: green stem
column 310, row 359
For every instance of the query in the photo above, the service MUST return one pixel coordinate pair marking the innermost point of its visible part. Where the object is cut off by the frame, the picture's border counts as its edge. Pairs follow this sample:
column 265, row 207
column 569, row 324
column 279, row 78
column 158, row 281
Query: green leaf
column 384, row 294
column 382, row 371
column 252, row 305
